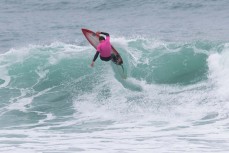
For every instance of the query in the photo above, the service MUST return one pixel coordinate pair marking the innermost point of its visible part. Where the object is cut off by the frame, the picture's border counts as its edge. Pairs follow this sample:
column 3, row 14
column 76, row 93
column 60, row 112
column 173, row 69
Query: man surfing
column 104, row 48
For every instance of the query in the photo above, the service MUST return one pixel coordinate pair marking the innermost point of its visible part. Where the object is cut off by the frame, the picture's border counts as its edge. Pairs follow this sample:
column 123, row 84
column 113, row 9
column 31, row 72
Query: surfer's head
column 101, row 38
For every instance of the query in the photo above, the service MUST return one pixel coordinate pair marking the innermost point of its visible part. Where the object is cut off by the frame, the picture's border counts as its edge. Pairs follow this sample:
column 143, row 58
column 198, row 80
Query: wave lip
column 219, row 70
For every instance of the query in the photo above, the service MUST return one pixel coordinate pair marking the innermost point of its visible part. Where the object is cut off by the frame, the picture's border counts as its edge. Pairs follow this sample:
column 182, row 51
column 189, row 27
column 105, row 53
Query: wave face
column 175, row 92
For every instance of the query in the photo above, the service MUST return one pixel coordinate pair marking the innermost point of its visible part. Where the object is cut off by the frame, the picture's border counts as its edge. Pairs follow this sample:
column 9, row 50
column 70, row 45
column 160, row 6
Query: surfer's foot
column 119, row 61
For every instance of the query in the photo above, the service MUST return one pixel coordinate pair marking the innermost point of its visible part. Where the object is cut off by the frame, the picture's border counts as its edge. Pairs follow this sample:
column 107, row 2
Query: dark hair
column 101, row 38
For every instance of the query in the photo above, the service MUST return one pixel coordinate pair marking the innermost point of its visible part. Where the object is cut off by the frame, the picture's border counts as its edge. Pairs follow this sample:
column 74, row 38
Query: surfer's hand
column 92, row 64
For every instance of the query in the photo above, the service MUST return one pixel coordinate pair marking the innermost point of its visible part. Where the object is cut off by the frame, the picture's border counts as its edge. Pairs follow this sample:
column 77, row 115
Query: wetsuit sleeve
column 96, row 56
column 104, row 33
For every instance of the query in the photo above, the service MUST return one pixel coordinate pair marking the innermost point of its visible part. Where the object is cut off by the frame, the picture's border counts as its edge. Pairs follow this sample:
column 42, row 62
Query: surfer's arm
column 95, row 57
column 103, row 33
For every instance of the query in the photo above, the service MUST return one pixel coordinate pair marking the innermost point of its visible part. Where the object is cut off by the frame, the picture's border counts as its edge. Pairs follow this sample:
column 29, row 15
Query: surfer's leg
column 116, row 59
column 113, row 58
column 119, row 59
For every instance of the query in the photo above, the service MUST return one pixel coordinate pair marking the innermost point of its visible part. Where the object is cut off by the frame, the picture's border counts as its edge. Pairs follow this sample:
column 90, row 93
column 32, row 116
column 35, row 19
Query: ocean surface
column 175, row 98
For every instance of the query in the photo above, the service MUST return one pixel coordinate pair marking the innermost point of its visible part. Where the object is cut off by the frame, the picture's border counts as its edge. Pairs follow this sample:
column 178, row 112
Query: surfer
column 104, row 49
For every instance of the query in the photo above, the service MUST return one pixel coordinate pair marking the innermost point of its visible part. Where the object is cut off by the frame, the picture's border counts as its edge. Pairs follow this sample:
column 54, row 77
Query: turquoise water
column 175, row 97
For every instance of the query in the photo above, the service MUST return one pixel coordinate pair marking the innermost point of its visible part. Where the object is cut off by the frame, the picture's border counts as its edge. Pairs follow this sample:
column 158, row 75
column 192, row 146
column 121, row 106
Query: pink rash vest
column 104, row 47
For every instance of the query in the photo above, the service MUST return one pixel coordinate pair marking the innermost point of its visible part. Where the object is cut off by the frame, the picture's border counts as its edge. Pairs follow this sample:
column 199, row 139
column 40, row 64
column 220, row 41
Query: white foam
column 21, row 104
column 124, row 43
column 4, row 76
column 42, row 73
column 121, row 42
column 219, row 71
column 49, row 117
column 56, row 51
column 9, row 58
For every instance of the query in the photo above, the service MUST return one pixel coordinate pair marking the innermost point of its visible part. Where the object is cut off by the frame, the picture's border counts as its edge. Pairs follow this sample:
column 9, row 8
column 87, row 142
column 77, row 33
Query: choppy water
column 174, row 100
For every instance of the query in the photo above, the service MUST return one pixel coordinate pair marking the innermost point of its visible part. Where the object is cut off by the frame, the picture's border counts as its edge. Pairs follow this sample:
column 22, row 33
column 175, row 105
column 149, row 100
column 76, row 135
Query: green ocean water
column 52, row 88
column 54, row 74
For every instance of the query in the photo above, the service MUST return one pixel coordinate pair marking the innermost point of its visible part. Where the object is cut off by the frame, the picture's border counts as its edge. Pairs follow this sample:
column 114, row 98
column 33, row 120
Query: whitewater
column 175, row 98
